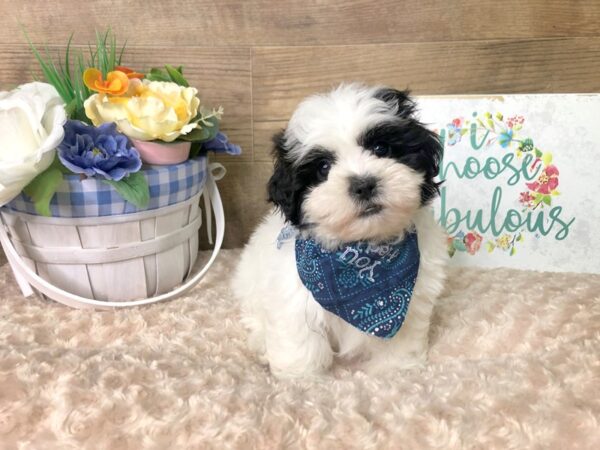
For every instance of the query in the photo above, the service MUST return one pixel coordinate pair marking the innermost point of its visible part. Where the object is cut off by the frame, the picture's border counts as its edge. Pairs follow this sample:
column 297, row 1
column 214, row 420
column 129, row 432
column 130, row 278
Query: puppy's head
column 354, row 164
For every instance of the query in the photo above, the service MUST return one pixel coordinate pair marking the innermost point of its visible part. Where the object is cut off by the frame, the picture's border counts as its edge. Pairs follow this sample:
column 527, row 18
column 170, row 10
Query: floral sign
column 512, row 173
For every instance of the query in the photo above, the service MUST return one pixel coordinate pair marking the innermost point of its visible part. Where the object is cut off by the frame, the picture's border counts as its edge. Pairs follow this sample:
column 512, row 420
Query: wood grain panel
column 263, row 138
column 222, row 77
column 259, row 58
column 290, row 22
column 245, row 201
column 284, row 75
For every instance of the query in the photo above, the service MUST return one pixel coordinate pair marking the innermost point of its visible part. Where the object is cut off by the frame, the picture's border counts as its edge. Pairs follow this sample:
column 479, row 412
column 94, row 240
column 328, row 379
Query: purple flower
column 98, row 151
column 220, row 144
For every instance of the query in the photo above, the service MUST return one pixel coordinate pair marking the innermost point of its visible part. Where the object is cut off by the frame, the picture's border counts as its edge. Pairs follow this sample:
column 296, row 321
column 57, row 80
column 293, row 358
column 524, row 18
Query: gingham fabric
column 92, row 197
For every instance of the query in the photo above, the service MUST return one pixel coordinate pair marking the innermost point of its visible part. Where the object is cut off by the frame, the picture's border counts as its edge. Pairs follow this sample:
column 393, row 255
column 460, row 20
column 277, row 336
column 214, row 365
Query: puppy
column 350, row 261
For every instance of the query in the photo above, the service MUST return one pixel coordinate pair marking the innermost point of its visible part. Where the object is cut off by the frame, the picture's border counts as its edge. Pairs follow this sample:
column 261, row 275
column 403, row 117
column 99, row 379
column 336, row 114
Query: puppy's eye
column 381, row 149
column 323, row 168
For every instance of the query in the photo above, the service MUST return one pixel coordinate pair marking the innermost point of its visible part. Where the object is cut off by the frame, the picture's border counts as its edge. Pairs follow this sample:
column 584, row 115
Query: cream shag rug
column 514, row 363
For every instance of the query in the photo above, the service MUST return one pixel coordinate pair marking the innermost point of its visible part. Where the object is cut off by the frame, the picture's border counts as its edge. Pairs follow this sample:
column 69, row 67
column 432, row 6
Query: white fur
column 288, row 328
column 334, row 120
column 336, row 217
column 297, row 337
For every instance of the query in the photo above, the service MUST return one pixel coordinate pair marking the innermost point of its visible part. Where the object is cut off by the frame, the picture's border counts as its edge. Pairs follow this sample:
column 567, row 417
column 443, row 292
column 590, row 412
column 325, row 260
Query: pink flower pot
column 162, row 153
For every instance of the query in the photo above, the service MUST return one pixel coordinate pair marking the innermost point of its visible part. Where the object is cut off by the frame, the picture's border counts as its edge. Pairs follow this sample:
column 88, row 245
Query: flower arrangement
column 97, row 118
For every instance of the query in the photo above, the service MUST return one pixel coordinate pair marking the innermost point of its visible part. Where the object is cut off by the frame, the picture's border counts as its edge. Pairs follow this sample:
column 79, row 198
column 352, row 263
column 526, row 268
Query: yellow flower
column 149, row 110
column 504, row 242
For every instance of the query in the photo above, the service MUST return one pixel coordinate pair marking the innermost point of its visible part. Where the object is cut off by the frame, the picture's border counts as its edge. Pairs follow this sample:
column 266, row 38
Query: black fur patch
column 411, row 143
column 288, row 185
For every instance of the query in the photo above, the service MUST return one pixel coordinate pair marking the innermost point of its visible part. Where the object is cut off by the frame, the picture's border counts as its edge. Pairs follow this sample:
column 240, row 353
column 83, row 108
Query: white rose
column 31, row 127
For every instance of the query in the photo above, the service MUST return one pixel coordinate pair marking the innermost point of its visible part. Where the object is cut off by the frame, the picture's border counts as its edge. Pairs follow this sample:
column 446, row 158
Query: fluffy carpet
column 514, row 363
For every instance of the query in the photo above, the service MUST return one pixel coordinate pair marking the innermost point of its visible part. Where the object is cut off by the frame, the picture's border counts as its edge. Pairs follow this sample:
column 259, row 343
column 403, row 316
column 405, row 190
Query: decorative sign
column 521, row 176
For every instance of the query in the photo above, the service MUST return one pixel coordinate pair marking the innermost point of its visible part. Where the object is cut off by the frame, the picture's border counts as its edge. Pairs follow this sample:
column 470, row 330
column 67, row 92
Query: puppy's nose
column 363, row 187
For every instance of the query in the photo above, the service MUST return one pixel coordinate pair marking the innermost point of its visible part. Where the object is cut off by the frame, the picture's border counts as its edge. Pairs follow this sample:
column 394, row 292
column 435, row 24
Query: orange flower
column 130, row 72
column 116, row 82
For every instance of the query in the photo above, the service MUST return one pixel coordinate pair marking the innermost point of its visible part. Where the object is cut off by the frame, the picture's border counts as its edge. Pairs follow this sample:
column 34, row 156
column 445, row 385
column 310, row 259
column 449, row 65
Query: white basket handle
column 26, row 278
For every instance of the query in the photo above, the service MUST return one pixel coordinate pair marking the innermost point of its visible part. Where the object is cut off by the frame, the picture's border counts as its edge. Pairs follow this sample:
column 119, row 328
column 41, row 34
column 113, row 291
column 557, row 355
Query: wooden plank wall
column 259, row 58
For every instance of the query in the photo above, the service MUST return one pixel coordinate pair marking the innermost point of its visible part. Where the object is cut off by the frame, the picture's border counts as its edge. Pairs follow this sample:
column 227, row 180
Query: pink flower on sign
column 546, row 182
column 526, row 198
column 473, row 242
column 515, row 120
column 455, row 131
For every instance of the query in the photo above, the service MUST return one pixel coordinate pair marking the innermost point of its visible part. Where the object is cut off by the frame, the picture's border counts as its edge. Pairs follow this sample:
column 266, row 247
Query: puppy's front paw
column 307, row 359
column 304, row 371
column 257, row 344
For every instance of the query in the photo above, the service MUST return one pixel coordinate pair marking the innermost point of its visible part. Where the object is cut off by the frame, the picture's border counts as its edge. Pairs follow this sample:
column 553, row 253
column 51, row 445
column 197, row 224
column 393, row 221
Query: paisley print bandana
column 369, row 286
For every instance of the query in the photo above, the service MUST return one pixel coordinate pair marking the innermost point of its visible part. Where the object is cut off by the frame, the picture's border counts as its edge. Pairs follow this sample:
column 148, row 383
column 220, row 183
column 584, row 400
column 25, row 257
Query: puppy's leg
column 256, row 335
column 408, row 349
column 296, row 338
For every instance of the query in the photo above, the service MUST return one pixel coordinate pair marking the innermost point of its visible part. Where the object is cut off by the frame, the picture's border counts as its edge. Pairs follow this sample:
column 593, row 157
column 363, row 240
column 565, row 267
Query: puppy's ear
column 398, row 99
column 424, row 148
column 427, row 158
column 281, row 186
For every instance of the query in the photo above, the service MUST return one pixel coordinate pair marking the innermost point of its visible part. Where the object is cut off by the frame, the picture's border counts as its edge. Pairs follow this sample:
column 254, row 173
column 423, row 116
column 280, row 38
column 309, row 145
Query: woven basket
column 113, row 260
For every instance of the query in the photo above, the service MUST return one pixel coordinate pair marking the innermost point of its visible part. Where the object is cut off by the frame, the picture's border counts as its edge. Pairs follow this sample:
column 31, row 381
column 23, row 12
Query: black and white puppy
column 352, row 165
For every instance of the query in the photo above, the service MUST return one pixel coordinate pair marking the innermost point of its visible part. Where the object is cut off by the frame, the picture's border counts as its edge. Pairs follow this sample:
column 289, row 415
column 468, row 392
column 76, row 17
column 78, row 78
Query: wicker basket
column 115, row 260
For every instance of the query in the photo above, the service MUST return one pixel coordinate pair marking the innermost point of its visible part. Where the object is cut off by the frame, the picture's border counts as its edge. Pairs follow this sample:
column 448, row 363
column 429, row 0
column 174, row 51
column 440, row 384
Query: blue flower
column 98, row 151
column 453, row 134
column 505, row 138
column 220, row 144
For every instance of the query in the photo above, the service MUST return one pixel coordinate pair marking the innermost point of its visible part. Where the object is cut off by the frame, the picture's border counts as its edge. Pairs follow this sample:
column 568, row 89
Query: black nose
column 363, row 188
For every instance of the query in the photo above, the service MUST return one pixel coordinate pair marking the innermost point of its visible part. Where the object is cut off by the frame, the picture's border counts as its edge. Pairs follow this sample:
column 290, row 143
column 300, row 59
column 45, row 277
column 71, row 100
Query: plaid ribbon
column 93, row 198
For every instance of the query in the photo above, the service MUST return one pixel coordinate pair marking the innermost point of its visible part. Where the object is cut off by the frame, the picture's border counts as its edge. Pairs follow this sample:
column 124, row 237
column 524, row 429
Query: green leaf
column 195, row 149
column 459, row 245
column 451, row 251
column 71, row 107
column 204, row 132
column 168, row 74
column 520, row 237
column 157, row 74
column 499, row 116
column 463, row 131
column 490, row 246
column 133, row 188
column 58, row 165
column 176, row 76
column 42, row 188
column 513, row 251
column 200, row 134
column 547, row 200
column 67, row 62
column 121, row 54
column 538, row 153
column 547, row 158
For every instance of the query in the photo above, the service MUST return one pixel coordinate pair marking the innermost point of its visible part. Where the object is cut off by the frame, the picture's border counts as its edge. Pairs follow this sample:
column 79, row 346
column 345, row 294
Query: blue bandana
column 368, row 286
